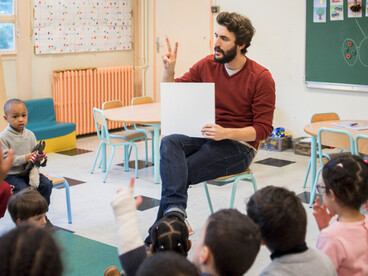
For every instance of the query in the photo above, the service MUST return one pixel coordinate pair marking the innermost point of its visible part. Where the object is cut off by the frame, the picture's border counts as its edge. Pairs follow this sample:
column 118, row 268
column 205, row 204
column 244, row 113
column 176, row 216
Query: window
column 7, row 26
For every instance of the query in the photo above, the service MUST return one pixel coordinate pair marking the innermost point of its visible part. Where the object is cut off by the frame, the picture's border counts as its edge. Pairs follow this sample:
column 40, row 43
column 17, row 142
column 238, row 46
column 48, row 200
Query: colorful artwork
column 70, row 26
column 354, row 8
column 336, row 10
column 319, row 11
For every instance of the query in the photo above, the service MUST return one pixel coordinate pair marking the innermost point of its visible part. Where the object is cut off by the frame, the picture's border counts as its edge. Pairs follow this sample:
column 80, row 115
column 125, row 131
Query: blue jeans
column 21, row 183
column 186, row 160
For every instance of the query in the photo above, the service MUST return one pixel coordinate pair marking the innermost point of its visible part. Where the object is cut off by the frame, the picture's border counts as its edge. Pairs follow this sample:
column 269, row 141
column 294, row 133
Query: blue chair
column 235, row 178
column 129, row 134
column 149, row 129
column 319, row 117
column 112, row 140
column 61, row 182
column 337, row 138
column 361, row 145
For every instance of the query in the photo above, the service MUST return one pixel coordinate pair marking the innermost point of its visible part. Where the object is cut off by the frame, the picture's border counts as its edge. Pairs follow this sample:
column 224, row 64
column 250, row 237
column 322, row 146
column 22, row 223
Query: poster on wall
column 70, row 26
column 319, row 11
column 354, row 8
column 336, row 10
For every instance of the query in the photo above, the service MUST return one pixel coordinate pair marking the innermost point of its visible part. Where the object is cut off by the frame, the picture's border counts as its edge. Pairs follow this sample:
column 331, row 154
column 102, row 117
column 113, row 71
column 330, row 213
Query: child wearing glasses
column 345, row 239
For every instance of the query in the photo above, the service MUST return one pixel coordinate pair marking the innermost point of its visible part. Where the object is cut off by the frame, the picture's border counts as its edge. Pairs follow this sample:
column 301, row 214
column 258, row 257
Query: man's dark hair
column 167, row 263
column 9, row 103
column 280, row 216
column 25, row 204
column 29, row 251
column 234, row 240
column 170, row 234
column 238, row 24
column 347, row 177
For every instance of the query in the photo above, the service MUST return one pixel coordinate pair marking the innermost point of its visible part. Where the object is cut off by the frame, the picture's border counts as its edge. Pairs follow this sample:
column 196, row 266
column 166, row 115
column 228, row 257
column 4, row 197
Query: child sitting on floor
column 283, row 222
column 344, row 189
column 228, row 245
column 28, row 207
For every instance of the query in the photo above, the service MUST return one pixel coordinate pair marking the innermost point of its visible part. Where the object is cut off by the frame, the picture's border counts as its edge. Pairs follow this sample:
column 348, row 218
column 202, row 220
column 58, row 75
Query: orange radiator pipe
column 76, row 92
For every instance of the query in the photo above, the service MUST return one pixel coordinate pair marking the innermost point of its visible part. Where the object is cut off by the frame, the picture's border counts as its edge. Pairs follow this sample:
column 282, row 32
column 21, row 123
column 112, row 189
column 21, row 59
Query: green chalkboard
column 337, row 51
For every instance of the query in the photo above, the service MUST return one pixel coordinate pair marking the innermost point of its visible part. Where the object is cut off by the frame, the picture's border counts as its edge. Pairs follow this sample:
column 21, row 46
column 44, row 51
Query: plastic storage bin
column 276, row 143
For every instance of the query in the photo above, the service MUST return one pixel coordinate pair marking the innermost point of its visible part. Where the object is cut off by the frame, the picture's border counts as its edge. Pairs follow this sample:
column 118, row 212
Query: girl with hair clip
column 168, row 234
column 345, row 190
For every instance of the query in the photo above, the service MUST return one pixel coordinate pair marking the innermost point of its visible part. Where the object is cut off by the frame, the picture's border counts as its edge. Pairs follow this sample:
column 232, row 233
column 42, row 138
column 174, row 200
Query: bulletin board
column 336, row 45
column 73, row 26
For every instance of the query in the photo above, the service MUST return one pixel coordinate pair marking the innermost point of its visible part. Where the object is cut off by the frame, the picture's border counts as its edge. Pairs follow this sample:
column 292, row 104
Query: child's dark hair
column 25, row 204
column 234, row 240
column 170, row 234
column 9, row 103
column 347, row 177
column 167, row 264
column 281, row 217
column 29, row 251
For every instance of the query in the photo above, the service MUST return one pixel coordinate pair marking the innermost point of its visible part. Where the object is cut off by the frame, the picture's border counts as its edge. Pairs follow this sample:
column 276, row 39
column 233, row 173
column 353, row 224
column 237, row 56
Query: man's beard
column 226, row 56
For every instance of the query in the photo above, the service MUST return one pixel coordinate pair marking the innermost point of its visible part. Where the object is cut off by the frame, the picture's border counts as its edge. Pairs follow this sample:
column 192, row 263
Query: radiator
column 76, row 92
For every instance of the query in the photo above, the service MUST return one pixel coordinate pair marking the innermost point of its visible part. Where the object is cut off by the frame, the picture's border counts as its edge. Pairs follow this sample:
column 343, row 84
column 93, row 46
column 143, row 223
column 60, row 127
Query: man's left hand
column 214, row 132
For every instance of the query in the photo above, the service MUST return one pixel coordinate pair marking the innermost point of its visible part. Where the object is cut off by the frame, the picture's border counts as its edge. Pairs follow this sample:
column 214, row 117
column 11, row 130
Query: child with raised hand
column 169, row 234
column 344, row 189
column 28, row 207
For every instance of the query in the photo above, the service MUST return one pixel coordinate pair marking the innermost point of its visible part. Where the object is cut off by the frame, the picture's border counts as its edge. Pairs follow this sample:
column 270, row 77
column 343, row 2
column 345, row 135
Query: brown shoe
column 112, row 271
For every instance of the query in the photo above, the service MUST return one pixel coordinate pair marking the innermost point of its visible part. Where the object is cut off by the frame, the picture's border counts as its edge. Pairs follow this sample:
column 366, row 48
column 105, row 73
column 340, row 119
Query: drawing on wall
column 319, row 11
column 69, row 26
column 353, row 52
column 354, row 8
column 336, row 10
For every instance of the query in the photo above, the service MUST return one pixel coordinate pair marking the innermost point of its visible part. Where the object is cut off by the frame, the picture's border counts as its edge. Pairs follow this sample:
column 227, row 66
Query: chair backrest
column 334, row 138
column 101, row 124
column 361, row 144
column 141, row 100
column 112, row 104
column 319, row 117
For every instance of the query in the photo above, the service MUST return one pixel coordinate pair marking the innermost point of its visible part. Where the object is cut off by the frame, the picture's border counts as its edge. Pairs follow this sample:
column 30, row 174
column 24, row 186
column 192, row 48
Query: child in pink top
column 344, row 189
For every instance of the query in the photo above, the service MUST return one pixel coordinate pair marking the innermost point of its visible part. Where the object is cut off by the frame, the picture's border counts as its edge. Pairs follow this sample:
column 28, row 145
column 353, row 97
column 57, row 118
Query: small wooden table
column 147, row 114
column 312, row 129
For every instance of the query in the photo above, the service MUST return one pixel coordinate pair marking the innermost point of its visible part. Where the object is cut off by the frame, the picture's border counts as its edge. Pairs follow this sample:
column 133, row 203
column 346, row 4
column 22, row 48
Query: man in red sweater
column 245, row 102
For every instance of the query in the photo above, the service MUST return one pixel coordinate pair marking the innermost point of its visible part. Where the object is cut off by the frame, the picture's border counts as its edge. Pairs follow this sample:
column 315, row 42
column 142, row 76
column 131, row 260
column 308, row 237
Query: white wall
column 279, row 45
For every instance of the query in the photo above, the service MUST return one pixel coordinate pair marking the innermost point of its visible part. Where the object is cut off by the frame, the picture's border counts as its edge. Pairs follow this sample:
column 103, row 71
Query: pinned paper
column 336, row 10
column 354, row 9
column 319, row 11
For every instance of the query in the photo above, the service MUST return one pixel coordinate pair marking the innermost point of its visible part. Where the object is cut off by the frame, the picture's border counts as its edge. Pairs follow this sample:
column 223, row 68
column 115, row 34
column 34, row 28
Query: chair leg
column 68, row 205
column 153, row 152
column 314, row 188
column 108, row 165
column 136, row 160
column 96, row 158
column 249, row 178
column 307, row 174
column 126, row 158
column 208, row 196
column 146, row 148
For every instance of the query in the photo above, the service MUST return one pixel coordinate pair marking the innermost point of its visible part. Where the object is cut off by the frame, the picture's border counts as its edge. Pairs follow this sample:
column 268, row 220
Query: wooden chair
column 334, row 138
column 129, row 134
column 247, row 176
column 113, row 140
column 149, row 129
column 59, row 182
column 319, row 117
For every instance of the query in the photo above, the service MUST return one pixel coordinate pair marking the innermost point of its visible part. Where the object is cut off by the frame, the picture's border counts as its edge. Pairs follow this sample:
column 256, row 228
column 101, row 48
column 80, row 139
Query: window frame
column 10, row 18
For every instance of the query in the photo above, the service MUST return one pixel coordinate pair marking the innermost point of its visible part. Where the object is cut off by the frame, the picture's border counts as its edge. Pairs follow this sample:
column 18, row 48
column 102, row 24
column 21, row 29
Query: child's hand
column 321, row 214
column 28, row 156
column 124, row 202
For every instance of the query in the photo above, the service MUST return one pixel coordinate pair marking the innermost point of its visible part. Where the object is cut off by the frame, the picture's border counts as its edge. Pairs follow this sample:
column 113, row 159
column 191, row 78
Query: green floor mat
column 82, row 256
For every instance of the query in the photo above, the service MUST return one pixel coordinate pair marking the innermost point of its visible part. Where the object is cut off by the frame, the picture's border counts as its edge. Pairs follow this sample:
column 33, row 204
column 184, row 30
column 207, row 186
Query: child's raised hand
column 124, row 202
column 321, row 214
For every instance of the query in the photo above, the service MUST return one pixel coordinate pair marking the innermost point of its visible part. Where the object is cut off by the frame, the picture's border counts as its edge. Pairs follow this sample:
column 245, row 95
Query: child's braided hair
column 170, row 234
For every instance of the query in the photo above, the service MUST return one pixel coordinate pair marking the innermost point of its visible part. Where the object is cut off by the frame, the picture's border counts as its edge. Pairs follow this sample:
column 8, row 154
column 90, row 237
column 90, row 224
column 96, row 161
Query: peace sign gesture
column 169, row 60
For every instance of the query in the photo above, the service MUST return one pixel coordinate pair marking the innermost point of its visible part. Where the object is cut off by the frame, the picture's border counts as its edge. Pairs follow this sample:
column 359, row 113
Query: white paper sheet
column 186, row 107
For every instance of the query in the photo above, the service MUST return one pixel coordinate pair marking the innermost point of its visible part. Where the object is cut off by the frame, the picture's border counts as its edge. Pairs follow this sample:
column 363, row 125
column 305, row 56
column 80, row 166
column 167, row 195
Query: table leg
column 156, row 165
column 313, row 169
